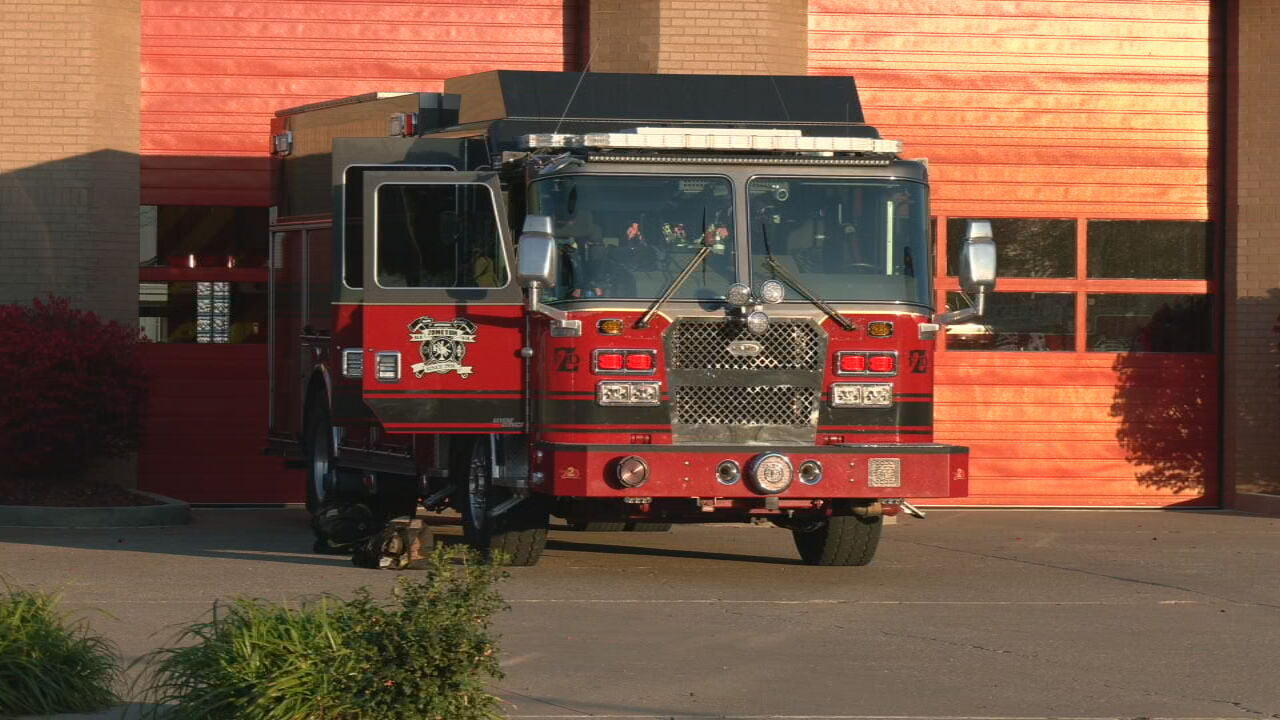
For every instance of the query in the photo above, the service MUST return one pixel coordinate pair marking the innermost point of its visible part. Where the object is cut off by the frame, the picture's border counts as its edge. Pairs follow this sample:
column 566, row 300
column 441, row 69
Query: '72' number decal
column 918, row 360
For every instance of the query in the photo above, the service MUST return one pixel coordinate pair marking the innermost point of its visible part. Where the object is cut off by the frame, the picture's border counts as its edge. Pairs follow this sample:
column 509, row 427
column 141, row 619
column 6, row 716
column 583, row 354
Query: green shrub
column 49, row 664
column 425, row 653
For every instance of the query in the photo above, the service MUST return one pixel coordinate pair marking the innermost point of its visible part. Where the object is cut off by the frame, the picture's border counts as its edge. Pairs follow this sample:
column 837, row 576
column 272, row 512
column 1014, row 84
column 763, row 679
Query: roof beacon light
column 763, row 140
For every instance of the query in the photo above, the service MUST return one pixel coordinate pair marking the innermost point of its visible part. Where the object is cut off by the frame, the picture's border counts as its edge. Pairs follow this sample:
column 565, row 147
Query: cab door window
column 438, row 236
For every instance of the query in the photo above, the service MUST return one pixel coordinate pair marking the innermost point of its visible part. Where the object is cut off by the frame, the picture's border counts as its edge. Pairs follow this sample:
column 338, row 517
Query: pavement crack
column 1064, row 568
column 953, row 643
column 1245, row 708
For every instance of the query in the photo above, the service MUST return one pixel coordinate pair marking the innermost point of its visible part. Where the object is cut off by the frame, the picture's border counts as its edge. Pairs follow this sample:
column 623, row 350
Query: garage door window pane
column 1027, row 322
column 1024, row 247
column 1149, row 323
column 203, row 312
column 1155, row 249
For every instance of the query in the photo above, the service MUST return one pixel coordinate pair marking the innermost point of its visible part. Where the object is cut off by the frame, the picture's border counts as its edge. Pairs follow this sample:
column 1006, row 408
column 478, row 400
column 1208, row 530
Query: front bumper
column 925, row 470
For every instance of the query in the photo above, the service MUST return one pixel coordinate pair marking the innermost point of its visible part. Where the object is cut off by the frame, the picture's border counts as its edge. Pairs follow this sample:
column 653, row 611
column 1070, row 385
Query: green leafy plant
column 48, row 663
column 424, row 653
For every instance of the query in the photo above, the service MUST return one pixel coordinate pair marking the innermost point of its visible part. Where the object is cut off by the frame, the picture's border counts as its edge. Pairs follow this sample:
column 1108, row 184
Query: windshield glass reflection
column 630, row 236
column 843, row 239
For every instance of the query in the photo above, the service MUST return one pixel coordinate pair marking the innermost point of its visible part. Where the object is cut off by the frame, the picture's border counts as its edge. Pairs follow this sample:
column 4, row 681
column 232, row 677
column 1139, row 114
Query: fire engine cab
column 621, row 300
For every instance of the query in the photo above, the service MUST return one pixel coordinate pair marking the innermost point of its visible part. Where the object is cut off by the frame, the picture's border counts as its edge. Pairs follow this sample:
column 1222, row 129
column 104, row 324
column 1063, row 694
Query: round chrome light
column 739, row 295
column 772, row 291
column 810, row 472
column 758, row 322
column 728, row 472
column 632, row 472
column 770, row 473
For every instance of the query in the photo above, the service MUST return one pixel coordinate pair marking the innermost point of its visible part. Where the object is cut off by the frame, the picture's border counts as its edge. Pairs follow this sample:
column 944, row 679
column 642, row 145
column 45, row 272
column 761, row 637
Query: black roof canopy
column 779, row 100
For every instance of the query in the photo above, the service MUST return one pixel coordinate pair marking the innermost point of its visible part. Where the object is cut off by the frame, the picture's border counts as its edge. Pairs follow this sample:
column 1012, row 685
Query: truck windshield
column 629, row 236
column 844, row 239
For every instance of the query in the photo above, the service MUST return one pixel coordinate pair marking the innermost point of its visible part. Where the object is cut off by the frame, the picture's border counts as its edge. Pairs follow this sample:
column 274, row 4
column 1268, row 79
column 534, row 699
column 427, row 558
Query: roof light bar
column 770, row 140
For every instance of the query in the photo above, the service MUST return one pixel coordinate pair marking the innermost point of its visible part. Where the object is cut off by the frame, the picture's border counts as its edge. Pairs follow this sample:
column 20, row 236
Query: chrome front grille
column 745, row 405
column 728, row 385
column 697, row 344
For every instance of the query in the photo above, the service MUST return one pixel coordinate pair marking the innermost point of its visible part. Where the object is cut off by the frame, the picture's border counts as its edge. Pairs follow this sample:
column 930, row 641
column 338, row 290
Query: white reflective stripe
column 713, row 139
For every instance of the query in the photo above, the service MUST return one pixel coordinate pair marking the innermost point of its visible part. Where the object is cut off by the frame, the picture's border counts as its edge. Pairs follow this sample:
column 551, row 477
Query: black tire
column 637, row 526
column 842, row 540
column 597, row 526
column 519, row 534
column 318, row 444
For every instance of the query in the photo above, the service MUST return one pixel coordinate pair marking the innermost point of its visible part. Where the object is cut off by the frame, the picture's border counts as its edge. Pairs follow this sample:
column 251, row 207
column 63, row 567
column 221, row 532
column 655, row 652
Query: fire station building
column 1128, row 358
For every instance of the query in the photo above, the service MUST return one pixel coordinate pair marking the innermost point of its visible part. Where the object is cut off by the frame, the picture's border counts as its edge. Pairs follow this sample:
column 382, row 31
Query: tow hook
column 912, row 510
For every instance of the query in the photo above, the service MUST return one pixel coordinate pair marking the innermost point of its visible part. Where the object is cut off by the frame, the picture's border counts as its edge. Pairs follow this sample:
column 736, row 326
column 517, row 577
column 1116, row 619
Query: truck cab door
column 443, row 316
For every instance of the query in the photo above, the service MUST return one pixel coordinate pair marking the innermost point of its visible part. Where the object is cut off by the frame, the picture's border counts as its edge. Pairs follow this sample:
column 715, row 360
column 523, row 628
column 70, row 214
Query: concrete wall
column 68, row 153
column 754, row 37
column 1252, row 282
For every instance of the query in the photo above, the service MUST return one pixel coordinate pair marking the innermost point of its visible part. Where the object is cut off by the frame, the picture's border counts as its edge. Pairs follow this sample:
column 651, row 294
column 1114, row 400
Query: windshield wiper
column 783, row 274
column 707, row 243
column 643, row 322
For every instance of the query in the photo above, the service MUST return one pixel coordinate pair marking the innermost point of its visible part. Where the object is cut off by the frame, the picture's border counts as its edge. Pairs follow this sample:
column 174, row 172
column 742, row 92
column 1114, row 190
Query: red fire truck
column 621, row 300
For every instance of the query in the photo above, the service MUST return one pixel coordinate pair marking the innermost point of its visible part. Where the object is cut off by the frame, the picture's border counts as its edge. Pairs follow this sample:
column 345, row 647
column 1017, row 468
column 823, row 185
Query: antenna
column 781, row 102
column 585, row 69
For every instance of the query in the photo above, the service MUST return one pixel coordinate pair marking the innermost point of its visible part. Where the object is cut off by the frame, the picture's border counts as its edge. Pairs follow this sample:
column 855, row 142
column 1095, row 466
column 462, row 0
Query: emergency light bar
column 772, row 140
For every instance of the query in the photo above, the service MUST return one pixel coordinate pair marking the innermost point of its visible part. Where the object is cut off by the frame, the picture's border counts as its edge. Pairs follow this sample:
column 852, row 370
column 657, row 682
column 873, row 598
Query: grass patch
column 48, row 663
column 425, row 652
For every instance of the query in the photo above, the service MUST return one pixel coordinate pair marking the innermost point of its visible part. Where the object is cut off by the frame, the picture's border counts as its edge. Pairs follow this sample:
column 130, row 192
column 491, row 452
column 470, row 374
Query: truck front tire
column 843, row 539
column 520, row 533
column 319, row 448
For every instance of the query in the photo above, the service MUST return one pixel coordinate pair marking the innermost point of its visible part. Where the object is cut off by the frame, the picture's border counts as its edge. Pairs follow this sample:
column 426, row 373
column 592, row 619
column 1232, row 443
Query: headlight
column 739, row 295
column 758, row 322
column 772, row 291
column 613, row 392
column 861, row 395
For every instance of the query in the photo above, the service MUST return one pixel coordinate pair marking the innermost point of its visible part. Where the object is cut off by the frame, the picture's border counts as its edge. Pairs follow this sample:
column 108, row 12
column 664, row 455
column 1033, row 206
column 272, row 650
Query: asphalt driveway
column 967, row 614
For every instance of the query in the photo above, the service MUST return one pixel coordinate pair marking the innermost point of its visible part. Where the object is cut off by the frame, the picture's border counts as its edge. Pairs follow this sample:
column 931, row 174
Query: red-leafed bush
column 72, row 390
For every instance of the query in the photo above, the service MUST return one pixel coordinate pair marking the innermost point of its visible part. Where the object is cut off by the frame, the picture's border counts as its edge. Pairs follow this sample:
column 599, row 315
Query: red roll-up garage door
column 1086, row 129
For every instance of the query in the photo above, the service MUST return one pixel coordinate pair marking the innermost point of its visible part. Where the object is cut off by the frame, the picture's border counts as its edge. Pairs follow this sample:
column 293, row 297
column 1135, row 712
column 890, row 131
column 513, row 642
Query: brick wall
column 624, row 35
column 1252, row 283
column 692, row 36
column 68, row 152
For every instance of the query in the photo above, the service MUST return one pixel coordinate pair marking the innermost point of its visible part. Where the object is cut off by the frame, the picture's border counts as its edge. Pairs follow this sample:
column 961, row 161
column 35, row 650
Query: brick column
column 751, row 37
column 1251, row 398
column 69, row 89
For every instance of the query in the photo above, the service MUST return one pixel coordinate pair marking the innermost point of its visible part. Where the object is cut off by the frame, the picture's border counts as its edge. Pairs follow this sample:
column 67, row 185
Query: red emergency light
column 622, row 362
column 882, row 363
column 853, row 363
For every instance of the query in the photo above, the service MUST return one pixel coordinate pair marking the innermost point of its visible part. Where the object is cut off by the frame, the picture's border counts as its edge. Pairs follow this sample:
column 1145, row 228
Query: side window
column 438, row 236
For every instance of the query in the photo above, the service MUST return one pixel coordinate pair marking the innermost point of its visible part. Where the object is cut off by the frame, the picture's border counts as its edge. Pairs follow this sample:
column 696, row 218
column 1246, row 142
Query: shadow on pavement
column 284, row 536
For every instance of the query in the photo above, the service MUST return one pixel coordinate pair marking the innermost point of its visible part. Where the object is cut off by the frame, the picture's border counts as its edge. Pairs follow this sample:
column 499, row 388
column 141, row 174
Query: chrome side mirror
column 978, row 259
column 537, row 255
column 977, row 272
column 537, row 267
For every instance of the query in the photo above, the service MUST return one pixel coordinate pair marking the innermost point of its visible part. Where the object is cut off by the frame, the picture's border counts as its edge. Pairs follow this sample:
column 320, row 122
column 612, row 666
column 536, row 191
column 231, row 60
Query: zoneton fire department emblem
column 444, row 344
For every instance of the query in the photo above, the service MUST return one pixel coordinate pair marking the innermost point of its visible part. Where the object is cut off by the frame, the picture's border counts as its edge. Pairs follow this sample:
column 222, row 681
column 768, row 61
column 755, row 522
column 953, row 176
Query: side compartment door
column 443, row 316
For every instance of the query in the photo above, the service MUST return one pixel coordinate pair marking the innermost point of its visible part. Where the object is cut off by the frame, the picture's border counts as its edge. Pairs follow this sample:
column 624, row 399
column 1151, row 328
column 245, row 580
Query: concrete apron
column 168, row 512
